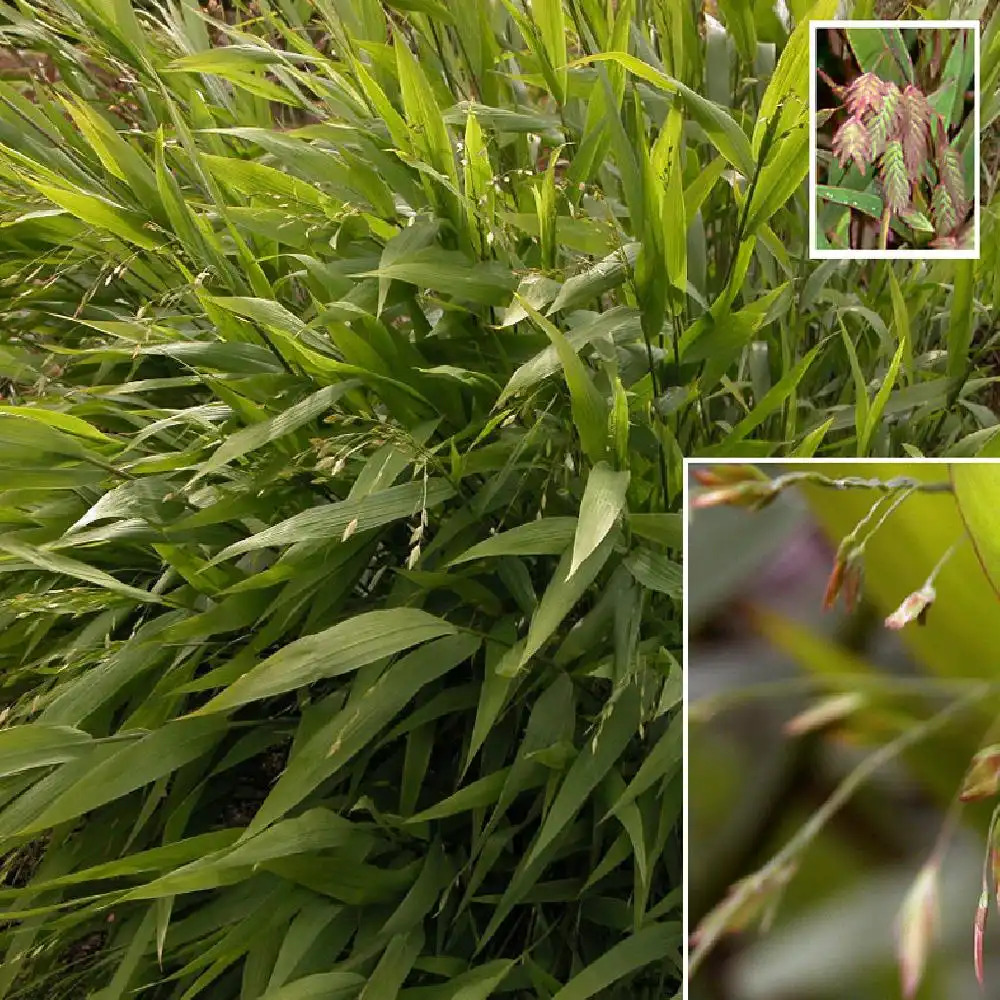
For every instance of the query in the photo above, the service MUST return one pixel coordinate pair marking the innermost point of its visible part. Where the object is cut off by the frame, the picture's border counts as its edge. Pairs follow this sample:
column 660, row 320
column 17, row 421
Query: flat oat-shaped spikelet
column 852, row 141
column 894, row 179
column 914, row 121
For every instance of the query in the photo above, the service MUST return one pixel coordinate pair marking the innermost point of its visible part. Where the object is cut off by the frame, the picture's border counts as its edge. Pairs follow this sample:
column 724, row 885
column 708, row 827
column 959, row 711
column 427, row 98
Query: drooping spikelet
column 883, row 123
column 943, row 210
column 852, row 141
column 914, row 119
column 864, row 94
column 895, row 183
column 950, row 175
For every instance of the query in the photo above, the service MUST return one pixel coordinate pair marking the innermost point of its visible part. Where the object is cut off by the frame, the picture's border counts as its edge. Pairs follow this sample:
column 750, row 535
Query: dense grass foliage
column 338, row 583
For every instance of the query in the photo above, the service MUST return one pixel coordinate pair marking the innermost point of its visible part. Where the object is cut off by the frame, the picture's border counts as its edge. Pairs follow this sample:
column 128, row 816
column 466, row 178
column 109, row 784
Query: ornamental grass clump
column 339, row 564
column 897, row 114
column 906, row 141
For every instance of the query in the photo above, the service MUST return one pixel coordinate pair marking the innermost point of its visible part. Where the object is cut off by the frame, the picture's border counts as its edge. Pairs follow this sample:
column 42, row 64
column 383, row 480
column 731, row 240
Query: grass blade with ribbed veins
column 602, row 503
column 961, row 319
column 546, row 536
column 338, row 650
column 655, row 943
column 364, row 513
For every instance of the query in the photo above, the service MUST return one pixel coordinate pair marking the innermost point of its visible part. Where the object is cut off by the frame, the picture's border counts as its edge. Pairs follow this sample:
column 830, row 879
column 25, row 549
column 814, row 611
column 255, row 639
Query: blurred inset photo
column 843, row 729
column 895, row 129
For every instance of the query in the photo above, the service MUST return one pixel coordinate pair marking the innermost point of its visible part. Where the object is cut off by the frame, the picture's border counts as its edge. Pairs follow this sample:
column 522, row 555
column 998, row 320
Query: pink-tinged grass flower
column 733, row 485
column 752, row 493
column 990, row 868
column 982, row 780
column 752, row 900
column 825, row 713
column 845, row 578
column 916, row 926
column 913, row 608
column 834, row 583
column 722, row 475
column 978, row 933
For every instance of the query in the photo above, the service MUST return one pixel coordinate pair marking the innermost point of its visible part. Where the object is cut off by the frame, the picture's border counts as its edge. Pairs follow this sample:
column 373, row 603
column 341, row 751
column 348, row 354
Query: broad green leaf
column 548, row 15
column 314, row 831
column 288, row 420
column 603, row 501
column 660, row 764
column 780, row 393
column 108, row 774
column 882, row 51
column 881, row 398
column 901, row 317
column 319, row 986
column 340, row 649
column 619, row 325
column 25, row 747
column 658, row 943
column 961, row 319
column 101, row 213
column 548, row 536
column 240, row 57
column 655, row 571
column 606, row 274
column 259, row 181
column 727, row 137
column 561, row 595
column 62, row 421
column 394, row 966
column 741, row 23
column 590, row 408
column 861, row 402
column 137, row 863
column 667, row 529
column 788, row 87
column 478, row 983
column 863, row 201
column 475, row 795
column 451, row 272
column 593, row 762
column 975, row 488
column 60, row 565
column 330, row 746
column 332, row 520
column 422, row 110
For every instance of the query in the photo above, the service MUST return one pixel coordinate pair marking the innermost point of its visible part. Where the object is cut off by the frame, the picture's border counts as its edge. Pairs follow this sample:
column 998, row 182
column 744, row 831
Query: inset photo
column 894, row 139
column 842, row 681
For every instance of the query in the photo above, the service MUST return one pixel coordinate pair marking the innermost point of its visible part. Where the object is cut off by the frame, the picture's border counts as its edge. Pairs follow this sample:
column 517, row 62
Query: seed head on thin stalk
column 746, row 486
column 915, row 605
column 916, row 926
column 758, row 894
column 848, row 566
column 917, row 922
column 983, row 907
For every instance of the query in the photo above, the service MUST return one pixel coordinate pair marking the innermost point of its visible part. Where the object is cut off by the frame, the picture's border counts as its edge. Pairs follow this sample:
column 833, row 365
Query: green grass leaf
column 961, row 319
column 603, row 501
column 655, row 943
column 727, row 137
column 340, row 649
